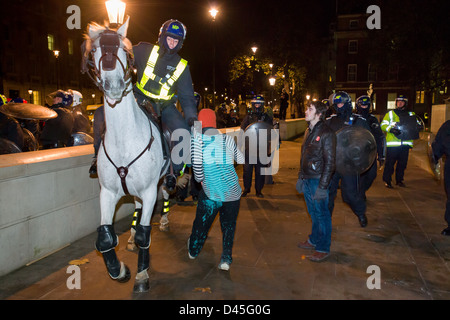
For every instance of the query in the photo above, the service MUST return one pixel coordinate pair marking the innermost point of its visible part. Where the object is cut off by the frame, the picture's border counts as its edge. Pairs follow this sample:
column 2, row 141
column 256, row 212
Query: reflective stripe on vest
column 166, row 82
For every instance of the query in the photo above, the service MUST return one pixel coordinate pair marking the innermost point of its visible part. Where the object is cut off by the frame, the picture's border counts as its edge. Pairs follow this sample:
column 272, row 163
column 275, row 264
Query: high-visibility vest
column 389, row 121
column 166, row 82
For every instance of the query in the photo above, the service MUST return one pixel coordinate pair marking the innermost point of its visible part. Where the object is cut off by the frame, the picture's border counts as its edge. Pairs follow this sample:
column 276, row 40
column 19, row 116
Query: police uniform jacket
column 441, row 144
column 165, row 64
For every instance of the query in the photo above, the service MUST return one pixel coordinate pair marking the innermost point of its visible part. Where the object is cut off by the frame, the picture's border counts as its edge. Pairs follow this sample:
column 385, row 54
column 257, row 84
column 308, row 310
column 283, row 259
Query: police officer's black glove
column 395, row 131
column 321, row 194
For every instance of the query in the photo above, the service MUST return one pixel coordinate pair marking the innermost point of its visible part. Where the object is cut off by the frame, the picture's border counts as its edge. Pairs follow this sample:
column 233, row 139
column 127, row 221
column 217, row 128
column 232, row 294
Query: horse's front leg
column 143, row 240
column 107, row 239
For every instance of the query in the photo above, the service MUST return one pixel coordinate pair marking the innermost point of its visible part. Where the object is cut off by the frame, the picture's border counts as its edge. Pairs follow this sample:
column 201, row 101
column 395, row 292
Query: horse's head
column 101, row 51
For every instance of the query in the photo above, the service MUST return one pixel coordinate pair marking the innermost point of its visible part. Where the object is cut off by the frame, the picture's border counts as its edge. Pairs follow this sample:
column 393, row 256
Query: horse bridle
column 110, row 42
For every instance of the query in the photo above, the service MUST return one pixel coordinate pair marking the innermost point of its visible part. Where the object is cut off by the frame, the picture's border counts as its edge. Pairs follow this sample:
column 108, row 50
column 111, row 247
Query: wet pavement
column 400, row 255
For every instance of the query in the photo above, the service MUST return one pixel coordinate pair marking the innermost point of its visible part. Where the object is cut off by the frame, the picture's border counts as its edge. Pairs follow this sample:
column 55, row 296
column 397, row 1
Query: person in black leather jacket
column 350, row 190
column 317, row 165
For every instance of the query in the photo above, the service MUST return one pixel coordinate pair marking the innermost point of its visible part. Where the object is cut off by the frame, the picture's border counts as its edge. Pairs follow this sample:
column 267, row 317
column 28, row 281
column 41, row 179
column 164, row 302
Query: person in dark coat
column 57, row 132
column 317, row 165
column 10, row 128
column 363, row 108
column 441, row 148
column 257, row 115
column 350, row 189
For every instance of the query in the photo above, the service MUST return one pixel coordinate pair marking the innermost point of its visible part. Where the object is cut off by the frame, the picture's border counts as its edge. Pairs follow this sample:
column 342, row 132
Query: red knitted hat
column 208, row 118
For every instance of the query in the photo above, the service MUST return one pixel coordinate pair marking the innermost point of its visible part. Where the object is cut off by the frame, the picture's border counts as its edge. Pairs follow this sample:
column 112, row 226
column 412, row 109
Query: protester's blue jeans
column 320, row 235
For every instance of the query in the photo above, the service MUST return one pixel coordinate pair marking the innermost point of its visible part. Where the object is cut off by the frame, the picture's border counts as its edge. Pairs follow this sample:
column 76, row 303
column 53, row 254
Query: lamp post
column 116, row 12
column 30, row 92
column 56, row 53
column 213, row 13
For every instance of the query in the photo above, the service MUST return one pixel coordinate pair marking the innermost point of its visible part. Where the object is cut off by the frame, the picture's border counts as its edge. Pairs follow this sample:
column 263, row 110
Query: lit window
column 50, row 42
column 391, row 100
column 70, row 46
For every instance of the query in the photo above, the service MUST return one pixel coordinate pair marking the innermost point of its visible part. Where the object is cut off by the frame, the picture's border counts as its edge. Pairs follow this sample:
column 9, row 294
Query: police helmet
column 257, row 103
column 326, row 102
column 403, row 98
column 197, row 98
column 174, row 29
column 363, row 101
column 342, row 97
column 77, row 97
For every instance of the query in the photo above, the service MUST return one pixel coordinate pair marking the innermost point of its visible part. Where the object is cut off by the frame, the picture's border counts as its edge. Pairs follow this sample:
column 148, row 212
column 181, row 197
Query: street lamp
column 56, row 53
column 116, row 11
column 30, row 92
column 254, row 48
column 214, row 13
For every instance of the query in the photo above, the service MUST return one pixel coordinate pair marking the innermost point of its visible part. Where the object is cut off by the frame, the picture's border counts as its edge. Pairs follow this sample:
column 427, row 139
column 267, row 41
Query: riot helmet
column 258, row 104
column 77, row 97
column 363, row 105
column 174, row 29
column 66, row 99
column 344, row 98
column 403, row 98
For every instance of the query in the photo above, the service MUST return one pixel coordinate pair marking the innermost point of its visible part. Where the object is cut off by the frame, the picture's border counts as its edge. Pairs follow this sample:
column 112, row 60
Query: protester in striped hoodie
column 213, row 155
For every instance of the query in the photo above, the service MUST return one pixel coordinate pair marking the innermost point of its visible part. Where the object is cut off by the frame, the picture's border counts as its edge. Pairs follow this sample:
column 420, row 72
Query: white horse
column 130, row 158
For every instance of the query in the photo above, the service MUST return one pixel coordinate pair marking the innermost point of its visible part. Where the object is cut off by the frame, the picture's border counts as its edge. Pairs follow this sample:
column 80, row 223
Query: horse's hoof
column 125, row 274
column 164, row 227
column 141, row 286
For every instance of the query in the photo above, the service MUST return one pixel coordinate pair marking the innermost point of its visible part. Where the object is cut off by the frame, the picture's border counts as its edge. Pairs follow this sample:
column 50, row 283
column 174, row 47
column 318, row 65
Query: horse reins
column 111, row 45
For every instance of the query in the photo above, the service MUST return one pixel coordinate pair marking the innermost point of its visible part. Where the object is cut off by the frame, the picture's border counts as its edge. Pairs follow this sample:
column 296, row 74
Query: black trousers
column 367, row 178
column 350, row 191
column 396, row 155
column 447, row 190
column 248, row 176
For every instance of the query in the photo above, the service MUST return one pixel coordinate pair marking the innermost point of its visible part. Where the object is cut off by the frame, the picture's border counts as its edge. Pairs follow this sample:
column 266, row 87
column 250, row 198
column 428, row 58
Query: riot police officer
column 81, row 122
column 57, row 132
column 10, row 128
column 350, row 190
column 162, row 78
column 256, row 115
column 363, row 104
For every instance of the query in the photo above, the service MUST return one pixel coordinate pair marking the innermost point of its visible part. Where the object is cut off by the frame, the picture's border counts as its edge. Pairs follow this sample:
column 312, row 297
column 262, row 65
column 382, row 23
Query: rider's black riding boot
column 93, row 168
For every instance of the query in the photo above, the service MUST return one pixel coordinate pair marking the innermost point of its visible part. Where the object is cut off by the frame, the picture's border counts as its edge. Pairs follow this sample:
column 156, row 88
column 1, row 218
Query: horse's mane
column 96, row 29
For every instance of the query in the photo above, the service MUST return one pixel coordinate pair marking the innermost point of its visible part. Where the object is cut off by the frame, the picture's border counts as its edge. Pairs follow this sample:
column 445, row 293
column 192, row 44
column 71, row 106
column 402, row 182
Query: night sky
column 239, row 25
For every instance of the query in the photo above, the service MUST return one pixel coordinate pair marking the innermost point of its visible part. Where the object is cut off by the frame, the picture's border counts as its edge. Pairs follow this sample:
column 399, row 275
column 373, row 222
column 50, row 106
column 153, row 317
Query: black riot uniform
column 363, row 109
column 257, row 114
column 10, row 130
column 57, row 132
column 441, row 147
column 350, row 190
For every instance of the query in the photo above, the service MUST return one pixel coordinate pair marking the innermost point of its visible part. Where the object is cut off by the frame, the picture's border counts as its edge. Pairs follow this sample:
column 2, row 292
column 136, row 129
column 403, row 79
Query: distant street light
column 214, row 13
column 56, row 53
column 254, row 48
column 116, row 11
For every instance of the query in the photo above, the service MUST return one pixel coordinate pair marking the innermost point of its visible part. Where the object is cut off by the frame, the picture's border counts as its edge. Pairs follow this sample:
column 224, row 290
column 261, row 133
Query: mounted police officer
column 397, row 147
column 350, row 190
column 258, row 114
column 162, row 78
column 363, row 104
